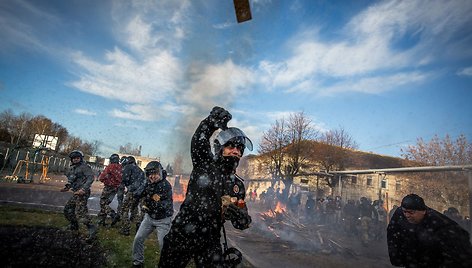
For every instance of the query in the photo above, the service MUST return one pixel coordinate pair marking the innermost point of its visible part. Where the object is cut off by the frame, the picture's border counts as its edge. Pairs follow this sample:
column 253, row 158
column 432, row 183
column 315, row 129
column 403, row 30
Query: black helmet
column 131, row 160
column 124, row 160
column 114, row 158
column 414, row 202
column 153, row 167
column 232, row 136
column 76, row 153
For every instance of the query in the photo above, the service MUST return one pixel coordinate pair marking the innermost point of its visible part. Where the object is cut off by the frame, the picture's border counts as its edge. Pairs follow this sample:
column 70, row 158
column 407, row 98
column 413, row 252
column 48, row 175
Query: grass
column 117, row 247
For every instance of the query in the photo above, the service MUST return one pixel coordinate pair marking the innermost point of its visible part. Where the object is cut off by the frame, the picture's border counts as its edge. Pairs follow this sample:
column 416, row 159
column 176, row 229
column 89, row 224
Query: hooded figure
column 419, row 236
column 214, row 194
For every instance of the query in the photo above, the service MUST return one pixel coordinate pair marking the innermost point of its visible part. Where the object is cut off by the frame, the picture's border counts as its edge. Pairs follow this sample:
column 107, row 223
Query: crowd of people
column 361, row 219
column 215, row 194
column 416, row 235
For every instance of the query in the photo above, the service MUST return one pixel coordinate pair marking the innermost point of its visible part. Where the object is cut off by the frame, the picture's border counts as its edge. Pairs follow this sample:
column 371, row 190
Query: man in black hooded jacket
column 419, row 236
column 212, row 194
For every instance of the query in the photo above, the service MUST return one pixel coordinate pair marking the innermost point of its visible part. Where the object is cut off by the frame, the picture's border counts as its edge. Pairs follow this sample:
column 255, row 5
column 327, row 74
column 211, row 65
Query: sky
column 147, row 72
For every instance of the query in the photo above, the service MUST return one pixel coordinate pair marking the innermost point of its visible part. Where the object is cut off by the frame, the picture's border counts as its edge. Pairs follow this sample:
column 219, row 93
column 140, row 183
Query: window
column 369, row 180
column 383, row 184
column 398, row 186
column 354, row 180
column 305, row 181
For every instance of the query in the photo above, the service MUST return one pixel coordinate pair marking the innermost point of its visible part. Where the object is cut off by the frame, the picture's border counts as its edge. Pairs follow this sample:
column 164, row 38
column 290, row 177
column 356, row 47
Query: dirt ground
column 284, row 246
column 260, row 247
column 47, row 247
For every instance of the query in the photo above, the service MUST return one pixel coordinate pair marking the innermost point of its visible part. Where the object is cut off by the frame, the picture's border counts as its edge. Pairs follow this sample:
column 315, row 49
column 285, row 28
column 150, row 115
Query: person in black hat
column 419, row 236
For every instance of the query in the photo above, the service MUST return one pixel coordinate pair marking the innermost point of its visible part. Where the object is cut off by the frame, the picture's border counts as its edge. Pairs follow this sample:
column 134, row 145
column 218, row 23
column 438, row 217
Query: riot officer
column 111, row 179
column 79, row 180
column 214, row 194
column 133, row 179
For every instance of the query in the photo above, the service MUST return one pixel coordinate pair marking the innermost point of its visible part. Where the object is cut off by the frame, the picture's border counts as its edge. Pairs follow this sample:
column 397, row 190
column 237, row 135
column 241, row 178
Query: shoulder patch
column 236, row 189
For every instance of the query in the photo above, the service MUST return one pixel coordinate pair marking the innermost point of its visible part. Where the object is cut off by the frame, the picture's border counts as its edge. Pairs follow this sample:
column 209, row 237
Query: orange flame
column 279, row 208
column 180, row 197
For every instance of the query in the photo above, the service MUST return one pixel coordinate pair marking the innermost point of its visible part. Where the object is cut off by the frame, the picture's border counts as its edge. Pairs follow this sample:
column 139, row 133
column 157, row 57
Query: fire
column 178, row 197
column 280, row 208
column 277, row 211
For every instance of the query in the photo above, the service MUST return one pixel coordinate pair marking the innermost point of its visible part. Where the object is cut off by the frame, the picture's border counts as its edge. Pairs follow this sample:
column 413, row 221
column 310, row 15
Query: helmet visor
column 235, row 136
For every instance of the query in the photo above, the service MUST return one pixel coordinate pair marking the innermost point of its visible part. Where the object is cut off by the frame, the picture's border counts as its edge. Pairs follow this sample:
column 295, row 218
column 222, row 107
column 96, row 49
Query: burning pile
column 279, row 216
column 283, row 225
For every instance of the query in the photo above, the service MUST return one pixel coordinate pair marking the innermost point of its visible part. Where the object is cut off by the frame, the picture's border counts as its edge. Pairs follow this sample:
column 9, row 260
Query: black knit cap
column 413, row 201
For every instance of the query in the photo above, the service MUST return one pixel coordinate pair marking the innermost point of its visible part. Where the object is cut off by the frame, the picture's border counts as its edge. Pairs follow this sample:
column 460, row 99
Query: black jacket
column 80, row 176
column 133, row 177
column 157, row 199
column 435, row 242
column 200, row 214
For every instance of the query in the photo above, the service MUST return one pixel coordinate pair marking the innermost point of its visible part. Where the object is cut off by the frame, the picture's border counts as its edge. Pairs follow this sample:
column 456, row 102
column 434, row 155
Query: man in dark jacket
column 367, row 214
column 212, row 194
column 158, row 208
column 111, row 178
column 133, row 179
column 419, row 236
column 79, row 180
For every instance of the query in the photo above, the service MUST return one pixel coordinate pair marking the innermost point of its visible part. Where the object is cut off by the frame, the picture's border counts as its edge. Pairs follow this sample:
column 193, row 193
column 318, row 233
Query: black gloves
column 66, row 188
column 219, row 117
column 238, row 216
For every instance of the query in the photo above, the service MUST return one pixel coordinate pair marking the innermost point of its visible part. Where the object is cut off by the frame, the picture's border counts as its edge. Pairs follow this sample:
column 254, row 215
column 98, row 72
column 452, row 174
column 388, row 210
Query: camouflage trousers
column 107, row 196
column 129, row 211
column 75, row 208
column 120, row 195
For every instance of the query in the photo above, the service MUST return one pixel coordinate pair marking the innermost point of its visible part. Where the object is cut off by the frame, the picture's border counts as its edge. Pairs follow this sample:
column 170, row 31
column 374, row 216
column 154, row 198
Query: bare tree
column 20, row 129
column 128, row 148
column 95, row 147
column 72, row 143
column 286, row 148
column 331, row 153
column 272, row 147
column 439, row 152
column 6, row 122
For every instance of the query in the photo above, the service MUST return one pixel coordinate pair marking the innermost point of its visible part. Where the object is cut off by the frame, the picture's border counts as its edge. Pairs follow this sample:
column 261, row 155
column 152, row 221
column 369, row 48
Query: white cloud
column 376, row 84
column 85, row 112
column 124, row 78
column 145, row 26
column 465, row 72
column 146, row 112
column 224, row 25
column 372, row 43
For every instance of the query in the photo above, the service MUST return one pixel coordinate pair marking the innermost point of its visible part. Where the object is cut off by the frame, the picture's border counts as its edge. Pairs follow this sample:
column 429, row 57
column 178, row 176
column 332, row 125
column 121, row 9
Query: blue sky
column 146, row 72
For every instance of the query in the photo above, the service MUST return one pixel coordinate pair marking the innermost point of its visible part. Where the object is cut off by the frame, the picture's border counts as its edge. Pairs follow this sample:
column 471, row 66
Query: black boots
column 92, row 230
column 74, row 226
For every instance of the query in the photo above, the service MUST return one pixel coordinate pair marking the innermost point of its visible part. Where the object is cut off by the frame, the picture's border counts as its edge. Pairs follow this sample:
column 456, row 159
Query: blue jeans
column 145, row 229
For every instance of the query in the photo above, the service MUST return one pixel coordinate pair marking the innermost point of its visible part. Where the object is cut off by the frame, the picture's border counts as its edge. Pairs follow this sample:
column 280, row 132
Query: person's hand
column 66, row 188
column 231, row 212
column 238, row 216
column 80, row 192
column 220, row 117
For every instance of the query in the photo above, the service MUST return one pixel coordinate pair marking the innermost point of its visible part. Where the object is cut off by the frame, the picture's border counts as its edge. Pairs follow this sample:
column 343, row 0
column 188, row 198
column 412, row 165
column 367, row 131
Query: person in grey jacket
column 157, row 206
column 79, row 180
column 133, row 179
